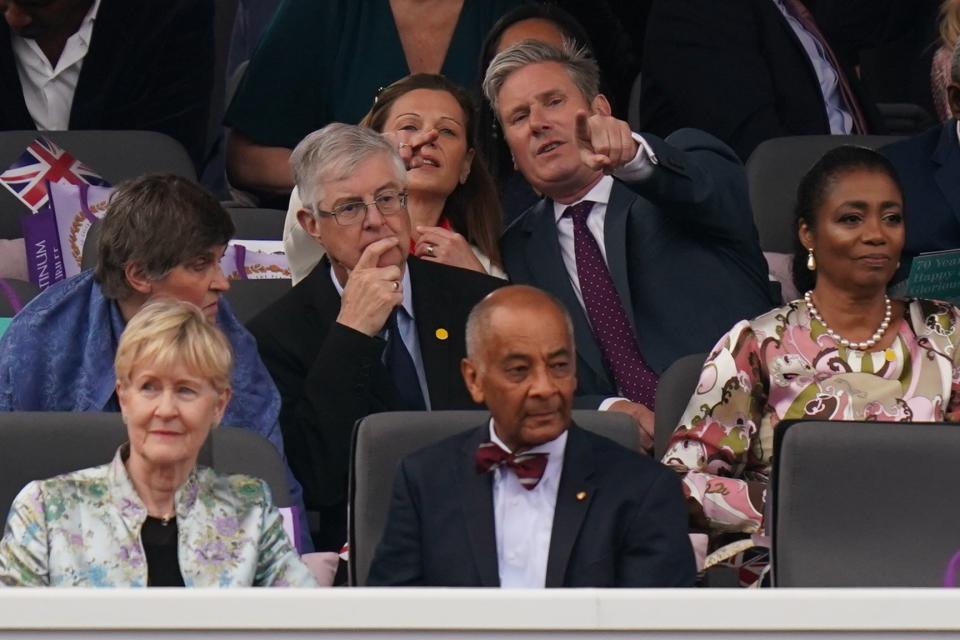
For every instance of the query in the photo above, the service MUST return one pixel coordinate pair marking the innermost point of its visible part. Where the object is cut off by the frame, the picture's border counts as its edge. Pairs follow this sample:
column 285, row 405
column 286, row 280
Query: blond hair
column 166, row 333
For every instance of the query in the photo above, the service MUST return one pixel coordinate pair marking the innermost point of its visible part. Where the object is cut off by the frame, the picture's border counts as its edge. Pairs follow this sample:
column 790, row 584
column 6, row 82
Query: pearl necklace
column 858, row 346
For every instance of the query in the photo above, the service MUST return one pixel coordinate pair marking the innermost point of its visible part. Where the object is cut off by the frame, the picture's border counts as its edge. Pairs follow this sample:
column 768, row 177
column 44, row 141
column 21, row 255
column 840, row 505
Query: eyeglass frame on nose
column 338, row 211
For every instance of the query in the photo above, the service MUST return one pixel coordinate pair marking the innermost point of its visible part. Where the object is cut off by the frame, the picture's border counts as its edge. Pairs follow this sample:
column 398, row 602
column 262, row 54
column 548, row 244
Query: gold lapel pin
column 581, row 495
column 442, row 334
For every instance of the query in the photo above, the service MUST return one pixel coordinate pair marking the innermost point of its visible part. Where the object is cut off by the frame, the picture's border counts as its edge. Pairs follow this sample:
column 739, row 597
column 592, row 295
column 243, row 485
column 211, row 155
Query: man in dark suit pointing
column 531, row 500
column 649, row 243
column 371, row 328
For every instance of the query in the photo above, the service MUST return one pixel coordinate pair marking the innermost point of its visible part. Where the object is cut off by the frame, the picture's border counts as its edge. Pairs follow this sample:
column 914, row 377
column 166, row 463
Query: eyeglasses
column 388, row 203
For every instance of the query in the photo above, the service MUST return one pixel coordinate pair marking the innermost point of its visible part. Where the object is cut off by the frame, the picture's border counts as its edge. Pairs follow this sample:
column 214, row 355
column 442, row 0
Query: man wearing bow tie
column 530, row 500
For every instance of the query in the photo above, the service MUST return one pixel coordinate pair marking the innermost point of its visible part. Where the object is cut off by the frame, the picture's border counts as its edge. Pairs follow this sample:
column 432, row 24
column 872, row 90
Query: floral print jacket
column 83, row 529
column 782, row 365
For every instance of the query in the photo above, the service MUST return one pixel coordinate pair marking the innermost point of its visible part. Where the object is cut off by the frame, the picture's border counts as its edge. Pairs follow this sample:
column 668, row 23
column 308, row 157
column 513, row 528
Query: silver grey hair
column 477, row 331
column 955, row 63
column 579, row 64
column 333, row 153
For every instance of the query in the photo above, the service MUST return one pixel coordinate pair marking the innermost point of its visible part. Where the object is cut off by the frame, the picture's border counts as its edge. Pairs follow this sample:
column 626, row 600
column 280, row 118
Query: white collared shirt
column 48, row 90
column 841, row 122
column 524, row 518
column 408, row 330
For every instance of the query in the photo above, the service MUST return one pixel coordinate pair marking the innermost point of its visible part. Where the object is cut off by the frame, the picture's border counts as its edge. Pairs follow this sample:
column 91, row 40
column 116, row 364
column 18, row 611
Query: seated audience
column 747, row 71
column 108, row 64
column 372, row 328
column 160, row 236
column 152, row 517
column 942, row 73
column 322, row 62
column 530, row 499
column 650, row 244
column 929, row 169
column 451, row 198
column 843, row 352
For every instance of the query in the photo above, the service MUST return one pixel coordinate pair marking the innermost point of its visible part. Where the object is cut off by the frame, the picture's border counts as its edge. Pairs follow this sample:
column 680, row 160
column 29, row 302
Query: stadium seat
column 37, row 445
column 115, row 155
column 247, row 298
column 257, row 224
column 774, row 170
column 676, row 386
column 382, row 440
column 863, row 504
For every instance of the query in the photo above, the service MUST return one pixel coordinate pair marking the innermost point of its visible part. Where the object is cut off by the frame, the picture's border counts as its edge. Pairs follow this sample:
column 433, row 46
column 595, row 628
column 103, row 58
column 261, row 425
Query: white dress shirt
column 640, row 167
column 841, row 122
column 408, row 330
column 524, row 518
column 48, row 90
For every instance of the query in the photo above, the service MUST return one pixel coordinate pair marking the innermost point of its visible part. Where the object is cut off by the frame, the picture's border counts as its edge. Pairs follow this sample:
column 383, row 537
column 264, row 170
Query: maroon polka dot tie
column 611, row 327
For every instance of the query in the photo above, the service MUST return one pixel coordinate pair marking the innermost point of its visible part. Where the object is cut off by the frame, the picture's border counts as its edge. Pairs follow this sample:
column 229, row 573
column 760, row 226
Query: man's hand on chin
column 371, row 292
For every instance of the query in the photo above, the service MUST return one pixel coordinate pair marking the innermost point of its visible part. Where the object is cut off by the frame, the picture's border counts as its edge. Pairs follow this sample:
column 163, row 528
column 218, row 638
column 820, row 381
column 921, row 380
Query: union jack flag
column 44, row 161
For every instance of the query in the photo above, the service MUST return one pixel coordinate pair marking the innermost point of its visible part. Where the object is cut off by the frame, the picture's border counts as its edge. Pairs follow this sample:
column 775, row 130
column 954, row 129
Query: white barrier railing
column 452, row 613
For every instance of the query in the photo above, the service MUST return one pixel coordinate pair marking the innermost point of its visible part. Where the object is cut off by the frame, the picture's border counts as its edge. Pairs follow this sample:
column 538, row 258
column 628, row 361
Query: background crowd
column 527, row 207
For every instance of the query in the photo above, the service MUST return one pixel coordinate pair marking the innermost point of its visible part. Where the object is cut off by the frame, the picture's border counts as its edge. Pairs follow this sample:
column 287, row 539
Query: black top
column 159, row 538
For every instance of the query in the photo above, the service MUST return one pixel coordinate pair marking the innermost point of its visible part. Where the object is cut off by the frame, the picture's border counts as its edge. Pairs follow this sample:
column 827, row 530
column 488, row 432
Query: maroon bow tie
column 528, row 467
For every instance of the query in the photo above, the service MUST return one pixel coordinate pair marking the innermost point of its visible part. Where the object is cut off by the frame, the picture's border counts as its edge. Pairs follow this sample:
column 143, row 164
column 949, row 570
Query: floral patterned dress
column 782, row 365
column 83, row 529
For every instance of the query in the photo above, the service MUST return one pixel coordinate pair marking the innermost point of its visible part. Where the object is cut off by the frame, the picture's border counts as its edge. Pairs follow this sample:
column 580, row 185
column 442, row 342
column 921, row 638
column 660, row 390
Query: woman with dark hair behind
column 845, row 351
column 452, row 201
column 455, row 203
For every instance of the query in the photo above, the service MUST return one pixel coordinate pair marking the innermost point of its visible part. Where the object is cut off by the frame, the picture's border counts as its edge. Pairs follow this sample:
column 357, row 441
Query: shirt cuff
column 641, row 167
column 605, row 405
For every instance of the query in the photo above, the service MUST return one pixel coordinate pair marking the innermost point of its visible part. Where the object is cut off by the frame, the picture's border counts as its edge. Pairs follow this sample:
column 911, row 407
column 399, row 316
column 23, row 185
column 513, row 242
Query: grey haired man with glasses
column 371, row 328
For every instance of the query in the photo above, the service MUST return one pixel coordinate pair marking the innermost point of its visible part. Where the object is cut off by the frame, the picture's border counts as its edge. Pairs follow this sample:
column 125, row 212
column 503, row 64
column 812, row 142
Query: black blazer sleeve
column 398, row 559
column 656, row 553
column 324, row 392
column 699, row 182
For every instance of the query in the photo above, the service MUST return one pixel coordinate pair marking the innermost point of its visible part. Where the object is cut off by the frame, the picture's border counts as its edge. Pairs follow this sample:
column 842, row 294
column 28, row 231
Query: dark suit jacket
column 929, row 168
column 330, row 376
column 735, row 69
column 149, row 67
column 630, row 531
column 682, row 251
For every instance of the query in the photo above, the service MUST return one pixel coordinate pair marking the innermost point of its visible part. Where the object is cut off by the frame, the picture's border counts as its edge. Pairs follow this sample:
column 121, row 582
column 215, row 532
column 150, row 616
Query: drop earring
column 811, row 261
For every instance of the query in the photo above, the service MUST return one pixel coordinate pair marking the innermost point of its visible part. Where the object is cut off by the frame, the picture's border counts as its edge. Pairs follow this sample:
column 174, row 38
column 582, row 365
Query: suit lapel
column 476, row 491
column 98, row 75
column 615, row 242
column 13, row 108
column 549, row 273
column 573, row 501
column 435, row 330
column 947, row 156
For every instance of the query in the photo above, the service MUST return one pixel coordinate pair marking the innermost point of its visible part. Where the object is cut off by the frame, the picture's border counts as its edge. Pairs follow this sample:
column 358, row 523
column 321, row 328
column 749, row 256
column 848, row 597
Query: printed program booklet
column 935, row 275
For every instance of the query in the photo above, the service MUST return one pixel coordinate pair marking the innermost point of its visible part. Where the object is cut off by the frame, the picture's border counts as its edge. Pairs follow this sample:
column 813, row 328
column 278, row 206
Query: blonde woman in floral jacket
column 151, row 517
